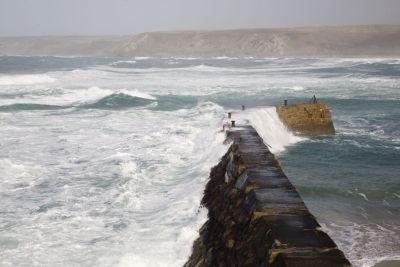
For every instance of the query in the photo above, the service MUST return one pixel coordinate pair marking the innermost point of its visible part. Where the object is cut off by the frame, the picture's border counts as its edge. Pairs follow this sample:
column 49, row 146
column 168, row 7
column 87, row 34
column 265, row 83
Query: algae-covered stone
column 231, row 243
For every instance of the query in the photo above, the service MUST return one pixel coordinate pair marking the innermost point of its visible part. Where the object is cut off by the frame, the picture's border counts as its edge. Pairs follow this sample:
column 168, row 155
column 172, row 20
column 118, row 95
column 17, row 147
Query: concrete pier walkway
column 294, row 235
column 256, row 216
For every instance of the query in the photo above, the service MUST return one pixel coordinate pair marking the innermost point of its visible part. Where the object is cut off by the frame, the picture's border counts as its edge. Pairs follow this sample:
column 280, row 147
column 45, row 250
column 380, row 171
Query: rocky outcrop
column 256, row 216
column 307, row 119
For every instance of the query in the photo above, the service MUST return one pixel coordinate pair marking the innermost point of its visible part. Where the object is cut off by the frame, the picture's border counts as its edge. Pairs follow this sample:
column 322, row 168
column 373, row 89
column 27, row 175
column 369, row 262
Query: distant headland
column 331, row 42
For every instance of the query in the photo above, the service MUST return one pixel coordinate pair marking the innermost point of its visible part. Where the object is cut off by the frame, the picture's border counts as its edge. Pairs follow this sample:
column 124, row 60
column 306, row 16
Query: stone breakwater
column 256, row 217
column 307, row 119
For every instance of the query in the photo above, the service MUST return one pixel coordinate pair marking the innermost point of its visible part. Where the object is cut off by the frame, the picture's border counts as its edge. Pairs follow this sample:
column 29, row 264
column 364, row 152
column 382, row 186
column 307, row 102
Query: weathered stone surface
column 307, row 119
column 256, row 217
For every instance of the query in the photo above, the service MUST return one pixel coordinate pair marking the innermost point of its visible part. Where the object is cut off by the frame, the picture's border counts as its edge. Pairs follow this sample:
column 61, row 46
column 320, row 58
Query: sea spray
column 268, row 125
column 110, row 165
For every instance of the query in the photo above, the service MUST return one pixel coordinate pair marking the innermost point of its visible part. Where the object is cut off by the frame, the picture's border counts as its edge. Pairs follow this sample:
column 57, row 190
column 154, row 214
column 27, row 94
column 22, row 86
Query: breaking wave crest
column 121, row 101
column 93, row 97
column 270, row 128
column 27, row 79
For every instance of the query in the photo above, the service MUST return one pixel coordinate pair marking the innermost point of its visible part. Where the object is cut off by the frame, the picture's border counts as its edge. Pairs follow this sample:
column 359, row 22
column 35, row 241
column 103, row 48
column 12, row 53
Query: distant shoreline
column 132, row 57
column 373, row 41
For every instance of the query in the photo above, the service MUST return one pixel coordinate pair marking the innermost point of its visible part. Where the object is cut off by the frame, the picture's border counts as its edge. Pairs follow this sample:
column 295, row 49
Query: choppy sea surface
column 103, row 161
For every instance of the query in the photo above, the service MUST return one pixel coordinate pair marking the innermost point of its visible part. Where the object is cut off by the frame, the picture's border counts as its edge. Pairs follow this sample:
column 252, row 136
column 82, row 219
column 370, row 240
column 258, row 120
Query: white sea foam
column 297, row 88
column 63, row 98
column 27, row 79
column 142, row 58
column 75, row 97
column 207, row 68
column 136, row 93
column 204, row 79
column 117, row 189
column 357, row 192
column 364, row 244
column 123, row 62
column 15, row 175
column 123, row 187
column 268, row 125
column 365, row 60
column 272, row 130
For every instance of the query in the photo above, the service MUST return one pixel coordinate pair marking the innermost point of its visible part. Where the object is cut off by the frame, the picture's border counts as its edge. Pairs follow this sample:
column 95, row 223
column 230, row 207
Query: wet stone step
column 267, row 209
column 278, row 195
column 299, row 238
column 310, row 257
column 292, row 222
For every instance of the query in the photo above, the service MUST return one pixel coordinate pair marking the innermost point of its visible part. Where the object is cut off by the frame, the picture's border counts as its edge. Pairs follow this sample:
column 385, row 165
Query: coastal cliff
column 339, row 41
column 256, row 217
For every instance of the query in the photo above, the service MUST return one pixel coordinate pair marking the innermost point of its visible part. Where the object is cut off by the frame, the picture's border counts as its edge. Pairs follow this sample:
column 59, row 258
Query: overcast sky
column 117, row 17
